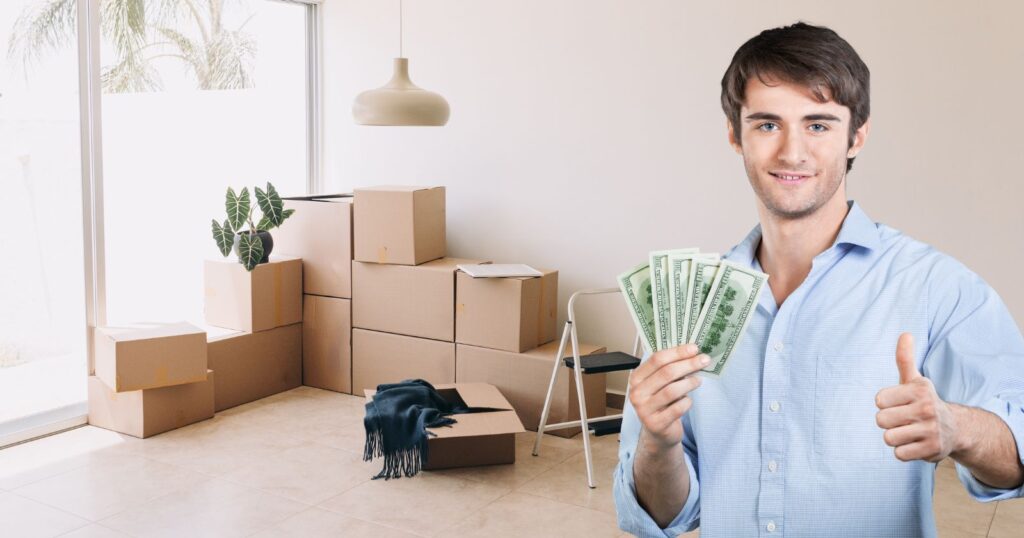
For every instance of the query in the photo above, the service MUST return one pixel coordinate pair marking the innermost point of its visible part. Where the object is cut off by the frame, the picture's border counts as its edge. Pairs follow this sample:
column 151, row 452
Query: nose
column 793, row 150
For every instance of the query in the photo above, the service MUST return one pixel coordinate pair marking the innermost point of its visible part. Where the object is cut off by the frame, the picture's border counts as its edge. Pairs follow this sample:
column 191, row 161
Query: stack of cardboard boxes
column 150, row 378
column 506, row 331
column 265, row 306
column 320, row 232
column 403, row 288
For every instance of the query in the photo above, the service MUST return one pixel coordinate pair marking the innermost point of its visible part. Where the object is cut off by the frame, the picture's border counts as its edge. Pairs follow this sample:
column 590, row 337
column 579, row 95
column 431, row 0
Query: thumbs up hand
column 917, row 423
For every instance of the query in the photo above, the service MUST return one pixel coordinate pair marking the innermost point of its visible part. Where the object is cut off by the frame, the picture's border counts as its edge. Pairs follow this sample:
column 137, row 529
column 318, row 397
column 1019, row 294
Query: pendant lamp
column 400, row 102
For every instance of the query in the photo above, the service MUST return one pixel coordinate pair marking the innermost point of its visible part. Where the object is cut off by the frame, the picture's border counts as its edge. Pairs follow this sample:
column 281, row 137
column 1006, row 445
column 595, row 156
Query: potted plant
column 252, row 246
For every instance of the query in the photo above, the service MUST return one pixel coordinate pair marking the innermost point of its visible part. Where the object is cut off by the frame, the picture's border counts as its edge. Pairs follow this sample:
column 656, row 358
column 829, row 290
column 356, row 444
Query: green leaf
column 271, row 205
column 250, row 250
column 238, row 207
column 264, row 224
column 224, row 237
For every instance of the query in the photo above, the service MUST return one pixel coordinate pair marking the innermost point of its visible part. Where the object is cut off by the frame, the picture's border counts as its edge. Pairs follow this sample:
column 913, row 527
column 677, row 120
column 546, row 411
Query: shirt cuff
column 1013, row 416
column 634, row 519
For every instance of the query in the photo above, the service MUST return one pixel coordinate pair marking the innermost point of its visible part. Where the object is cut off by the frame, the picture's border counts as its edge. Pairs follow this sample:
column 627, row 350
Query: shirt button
column 778, row 346
column 772, row 466
column 771, row 526
column 774, row 406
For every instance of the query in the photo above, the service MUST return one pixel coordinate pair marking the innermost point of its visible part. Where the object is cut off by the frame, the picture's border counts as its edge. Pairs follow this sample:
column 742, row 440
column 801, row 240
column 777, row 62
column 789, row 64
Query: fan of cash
column 683, row 296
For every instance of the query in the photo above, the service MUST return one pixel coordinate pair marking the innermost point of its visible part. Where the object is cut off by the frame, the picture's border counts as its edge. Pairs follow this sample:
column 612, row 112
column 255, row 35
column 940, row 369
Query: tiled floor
column 290, row 465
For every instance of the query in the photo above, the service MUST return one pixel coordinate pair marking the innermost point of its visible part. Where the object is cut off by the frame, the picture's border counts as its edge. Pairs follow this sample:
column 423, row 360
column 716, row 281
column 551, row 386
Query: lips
column 790, row 177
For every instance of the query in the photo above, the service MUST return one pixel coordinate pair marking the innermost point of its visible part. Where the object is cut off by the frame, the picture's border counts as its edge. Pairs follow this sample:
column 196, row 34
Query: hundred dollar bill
column 636, row 288
column 728, row 309
column 702, row 274
column 660, row 294
column 679, row 266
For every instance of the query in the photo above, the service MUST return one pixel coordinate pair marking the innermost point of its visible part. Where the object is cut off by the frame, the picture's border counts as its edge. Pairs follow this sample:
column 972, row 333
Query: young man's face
column 794, row 148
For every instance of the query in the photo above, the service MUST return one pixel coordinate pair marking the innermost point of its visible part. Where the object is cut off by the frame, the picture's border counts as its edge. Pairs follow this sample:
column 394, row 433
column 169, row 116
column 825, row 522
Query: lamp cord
column 400, row 30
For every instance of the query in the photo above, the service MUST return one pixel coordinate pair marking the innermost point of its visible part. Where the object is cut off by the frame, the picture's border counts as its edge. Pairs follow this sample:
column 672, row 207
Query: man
column 872, row 358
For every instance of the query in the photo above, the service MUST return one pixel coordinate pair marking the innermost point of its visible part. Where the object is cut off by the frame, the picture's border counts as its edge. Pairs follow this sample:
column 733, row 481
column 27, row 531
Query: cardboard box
column 512, row 314
column 485, row 438
column 399, row 224
column 269, row 296
column 379, row 357
column 320, row 232
column 327, row 343
column 414, row 300
column 523, row 378
column 149, row 355
column 251, row 366
column 147, row 412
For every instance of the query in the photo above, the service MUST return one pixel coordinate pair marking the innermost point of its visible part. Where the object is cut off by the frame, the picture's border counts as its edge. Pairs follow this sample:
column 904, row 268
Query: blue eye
column 763, row 125
column 823, row 127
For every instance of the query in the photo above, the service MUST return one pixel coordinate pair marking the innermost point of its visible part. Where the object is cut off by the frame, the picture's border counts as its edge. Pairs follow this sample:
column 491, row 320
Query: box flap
column 395, row 188
column 473, row 424
column 446, row 264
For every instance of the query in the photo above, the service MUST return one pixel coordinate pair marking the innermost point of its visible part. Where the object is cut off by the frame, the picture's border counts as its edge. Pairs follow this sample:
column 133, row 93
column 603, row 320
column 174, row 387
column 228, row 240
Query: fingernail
column 705, row 360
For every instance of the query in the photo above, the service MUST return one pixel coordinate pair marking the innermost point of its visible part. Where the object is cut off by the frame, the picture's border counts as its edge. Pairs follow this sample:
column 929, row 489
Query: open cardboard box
column 476, row 438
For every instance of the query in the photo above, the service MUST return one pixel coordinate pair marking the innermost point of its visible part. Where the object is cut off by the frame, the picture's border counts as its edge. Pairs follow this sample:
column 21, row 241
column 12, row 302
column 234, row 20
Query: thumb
column 905, row 358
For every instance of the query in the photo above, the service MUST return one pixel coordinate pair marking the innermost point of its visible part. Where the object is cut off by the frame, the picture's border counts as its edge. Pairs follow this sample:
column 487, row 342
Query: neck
column 788, row 246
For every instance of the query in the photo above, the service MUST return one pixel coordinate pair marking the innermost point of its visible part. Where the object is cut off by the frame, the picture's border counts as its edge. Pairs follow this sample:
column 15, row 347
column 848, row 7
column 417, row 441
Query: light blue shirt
column 785, row 442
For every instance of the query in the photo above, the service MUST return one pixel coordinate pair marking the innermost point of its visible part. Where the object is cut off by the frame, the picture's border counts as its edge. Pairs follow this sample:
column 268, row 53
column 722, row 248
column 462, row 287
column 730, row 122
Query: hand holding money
column 685, row 296
column 659, row 391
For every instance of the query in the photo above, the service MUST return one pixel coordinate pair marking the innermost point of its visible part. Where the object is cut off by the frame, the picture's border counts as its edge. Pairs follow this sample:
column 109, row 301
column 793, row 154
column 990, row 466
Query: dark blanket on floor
column 396, row 424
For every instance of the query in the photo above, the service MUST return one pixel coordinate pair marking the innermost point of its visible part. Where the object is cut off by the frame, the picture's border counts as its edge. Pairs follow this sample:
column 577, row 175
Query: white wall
column 586, row 133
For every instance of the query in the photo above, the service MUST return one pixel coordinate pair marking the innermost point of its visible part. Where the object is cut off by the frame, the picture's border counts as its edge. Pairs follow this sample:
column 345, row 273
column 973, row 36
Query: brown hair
column 812, row 56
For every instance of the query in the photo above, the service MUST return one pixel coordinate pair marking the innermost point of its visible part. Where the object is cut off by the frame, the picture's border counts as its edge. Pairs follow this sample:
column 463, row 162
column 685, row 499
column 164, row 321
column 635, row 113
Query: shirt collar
column 858, row 230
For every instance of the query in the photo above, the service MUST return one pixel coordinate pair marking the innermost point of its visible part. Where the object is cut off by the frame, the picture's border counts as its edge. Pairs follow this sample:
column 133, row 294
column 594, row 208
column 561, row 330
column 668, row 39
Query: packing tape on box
column 278, row 292
column 540, row 310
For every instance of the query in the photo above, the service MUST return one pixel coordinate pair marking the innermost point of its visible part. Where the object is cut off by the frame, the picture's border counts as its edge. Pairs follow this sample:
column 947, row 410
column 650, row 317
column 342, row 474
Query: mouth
column 790, row 178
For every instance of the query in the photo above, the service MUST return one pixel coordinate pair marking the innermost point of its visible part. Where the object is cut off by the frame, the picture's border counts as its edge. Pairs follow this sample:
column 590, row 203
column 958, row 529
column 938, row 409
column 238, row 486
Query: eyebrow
column 775, row 117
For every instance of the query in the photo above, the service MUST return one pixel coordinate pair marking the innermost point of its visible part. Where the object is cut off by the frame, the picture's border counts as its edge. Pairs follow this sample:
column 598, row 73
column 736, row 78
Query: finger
column 674, row 391
column 905, row 435
column 661, row 359
column 895, row 396
column 921, row 450
column 673, row 413
column 894, row 417
column 678, row 370
column 905, row 358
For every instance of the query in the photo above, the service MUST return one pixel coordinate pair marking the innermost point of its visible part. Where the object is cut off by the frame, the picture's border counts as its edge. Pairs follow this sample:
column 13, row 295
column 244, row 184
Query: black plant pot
column 265, row 238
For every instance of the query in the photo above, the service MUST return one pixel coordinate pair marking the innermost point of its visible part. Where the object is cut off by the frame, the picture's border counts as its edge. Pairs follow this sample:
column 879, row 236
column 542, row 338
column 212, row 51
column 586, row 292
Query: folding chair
column 590, row 364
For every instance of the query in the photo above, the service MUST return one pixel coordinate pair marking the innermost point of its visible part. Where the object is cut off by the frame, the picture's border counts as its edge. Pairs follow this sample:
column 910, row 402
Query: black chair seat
column 605, row 362
column 605, row 427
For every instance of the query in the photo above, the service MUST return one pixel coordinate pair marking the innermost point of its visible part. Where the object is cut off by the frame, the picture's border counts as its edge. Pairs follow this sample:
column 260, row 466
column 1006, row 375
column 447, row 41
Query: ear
column 732, row 138
column 859, row 138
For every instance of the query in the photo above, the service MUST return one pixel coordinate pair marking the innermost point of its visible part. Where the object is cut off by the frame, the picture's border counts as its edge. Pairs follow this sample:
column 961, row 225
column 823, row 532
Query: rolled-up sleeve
column 632, row 517
column 976, row 357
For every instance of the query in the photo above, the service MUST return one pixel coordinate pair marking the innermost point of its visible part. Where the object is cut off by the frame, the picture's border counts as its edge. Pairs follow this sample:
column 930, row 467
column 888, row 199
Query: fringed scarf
column 396, row 424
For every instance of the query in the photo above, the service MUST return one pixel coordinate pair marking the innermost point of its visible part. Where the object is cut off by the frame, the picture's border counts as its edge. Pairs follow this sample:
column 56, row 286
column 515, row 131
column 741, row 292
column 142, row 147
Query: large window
column 42, row 311
column 195, row 96
column 199, row 96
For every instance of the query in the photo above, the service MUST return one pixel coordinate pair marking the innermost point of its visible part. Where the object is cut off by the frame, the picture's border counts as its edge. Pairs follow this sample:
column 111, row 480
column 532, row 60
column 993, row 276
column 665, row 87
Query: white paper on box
column 498, row 270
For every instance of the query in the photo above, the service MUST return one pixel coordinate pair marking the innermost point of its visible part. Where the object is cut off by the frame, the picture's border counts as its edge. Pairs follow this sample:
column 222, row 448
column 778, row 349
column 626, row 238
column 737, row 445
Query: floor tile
column 1009, row 520
column 567, row 482
column 27, row 518
column 955, row 510
column 424, row 504
column 309, row 474
column 519, row 514
column 320, row 523
column 103, row 489
column 215, row 508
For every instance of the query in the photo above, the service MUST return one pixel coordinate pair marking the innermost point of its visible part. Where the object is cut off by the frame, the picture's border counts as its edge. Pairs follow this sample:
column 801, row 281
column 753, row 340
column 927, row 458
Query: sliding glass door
column 43, row 359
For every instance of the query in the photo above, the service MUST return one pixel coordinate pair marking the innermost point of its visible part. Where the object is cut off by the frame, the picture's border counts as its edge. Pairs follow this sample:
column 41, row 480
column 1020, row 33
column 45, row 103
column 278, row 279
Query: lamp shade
column 400, row 102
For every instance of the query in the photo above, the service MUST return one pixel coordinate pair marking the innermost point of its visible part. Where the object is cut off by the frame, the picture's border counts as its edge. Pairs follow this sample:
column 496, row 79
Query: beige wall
column 585, row 133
